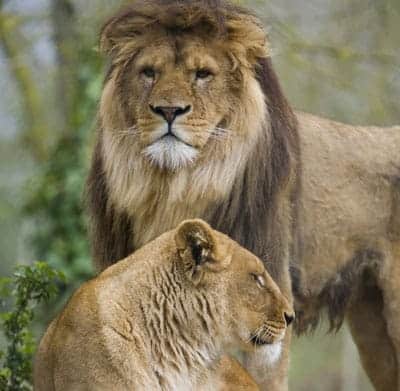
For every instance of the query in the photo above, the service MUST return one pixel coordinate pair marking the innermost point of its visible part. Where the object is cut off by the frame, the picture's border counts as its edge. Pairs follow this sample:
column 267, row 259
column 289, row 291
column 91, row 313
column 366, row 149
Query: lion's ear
column 121, row 31
column 248, row 39
column 197, row 247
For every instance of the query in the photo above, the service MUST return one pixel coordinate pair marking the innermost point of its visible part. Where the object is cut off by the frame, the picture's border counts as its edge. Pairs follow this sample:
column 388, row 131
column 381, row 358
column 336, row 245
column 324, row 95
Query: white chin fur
column 170, row 153
column 269, row 354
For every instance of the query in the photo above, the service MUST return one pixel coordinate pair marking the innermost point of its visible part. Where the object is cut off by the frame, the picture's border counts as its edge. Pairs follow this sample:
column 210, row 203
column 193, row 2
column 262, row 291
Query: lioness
column 193, row 123
column 160, row 319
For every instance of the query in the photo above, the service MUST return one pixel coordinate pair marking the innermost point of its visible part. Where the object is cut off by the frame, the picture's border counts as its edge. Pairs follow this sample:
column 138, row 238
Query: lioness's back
column 44, row 361
column 70, row 348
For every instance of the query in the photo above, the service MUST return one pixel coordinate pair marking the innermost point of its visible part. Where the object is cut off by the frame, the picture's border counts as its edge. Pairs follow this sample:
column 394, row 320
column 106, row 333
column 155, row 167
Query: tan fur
column 232, row 376
column 221, row 158
column 160, row 319
column 350, row 255
column 234, row 158
column 345, row 253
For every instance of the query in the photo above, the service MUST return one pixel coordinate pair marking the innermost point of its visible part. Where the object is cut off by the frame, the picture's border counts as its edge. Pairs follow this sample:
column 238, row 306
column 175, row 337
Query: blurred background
column 336, row 58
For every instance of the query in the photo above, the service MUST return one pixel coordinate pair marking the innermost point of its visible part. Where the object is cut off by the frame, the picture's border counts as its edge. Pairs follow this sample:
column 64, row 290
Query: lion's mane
column 260, row 210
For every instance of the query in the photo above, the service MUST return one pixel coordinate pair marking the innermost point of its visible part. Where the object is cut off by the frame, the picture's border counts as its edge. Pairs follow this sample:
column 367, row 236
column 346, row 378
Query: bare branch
column 66, row 43
column 35, row 130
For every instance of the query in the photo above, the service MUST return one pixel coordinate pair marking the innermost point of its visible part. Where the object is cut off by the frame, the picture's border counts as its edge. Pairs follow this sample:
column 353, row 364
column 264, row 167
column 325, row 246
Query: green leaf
column 30, row 286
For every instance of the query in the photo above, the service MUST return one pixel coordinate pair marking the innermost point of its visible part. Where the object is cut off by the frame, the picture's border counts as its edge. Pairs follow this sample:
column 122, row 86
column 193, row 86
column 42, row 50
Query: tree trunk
column 66, row 43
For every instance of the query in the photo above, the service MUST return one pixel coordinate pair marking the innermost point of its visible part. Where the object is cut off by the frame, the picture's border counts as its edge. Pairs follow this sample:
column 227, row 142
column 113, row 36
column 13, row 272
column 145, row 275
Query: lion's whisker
column 132, row 131
column 223, row 130
column 218, row 137
column 218, row 134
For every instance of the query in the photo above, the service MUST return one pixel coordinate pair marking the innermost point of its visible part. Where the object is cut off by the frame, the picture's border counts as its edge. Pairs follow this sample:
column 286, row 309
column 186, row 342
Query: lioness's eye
column 149, row 72
column 259, row 280
column 203, row 74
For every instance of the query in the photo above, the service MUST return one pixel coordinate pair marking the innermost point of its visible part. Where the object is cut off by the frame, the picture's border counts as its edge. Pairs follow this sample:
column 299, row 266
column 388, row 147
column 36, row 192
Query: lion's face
column 258, row 312
column 177, row 99
column 176, row 89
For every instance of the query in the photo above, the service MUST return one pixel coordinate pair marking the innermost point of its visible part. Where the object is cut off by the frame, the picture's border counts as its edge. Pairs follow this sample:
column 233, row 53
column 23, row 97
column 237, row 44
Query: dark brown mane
column 251, row 213
column 110, row 231
column 175, row 16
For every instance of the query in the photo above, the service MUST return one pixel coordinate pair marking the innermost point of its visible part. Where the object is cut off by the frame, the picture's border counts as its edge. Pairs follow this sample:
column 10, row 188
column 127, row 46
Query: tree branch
column 66, row 43
column 35, row 130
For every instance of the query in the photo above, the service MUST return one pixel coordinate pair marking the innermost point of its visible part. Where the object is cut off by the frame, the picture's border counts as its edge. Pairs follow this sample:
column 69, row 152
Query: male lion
column 160, row 319
column 193, row 123
column 186, row 130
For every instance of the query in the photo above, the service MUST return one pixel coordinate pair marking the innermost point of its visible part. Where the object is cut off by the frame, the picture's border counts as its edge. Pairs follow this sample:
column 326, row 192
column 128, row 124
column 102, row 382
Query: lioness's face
column 179, row 92
column 258, row 312
column 262, row 311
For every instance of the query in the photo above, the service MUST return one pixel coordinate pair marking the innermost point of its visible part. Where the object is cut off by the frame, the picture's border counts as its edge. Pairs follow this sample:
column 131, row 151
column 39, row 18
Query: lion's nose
column 289, row 318
column 169, row 113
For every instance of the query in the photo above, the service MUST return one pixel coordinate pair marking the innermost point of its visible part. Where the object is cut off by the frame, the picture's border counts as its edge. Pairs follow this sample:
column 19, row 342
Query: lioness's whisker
column 224, row 130
column 218, row 137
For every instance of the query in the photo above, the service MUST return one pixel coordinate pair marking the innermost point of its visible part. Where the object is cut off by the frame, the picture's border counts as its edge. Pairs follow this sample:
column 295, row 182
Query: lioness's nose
column 289, row 318
column 169, row 113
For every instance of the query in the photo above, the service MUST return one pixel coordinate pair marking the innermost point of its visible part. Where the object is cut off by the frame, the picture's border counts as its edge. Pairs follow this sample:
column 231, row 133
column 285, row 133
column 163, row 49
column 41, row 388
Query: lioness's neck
column 182, row 327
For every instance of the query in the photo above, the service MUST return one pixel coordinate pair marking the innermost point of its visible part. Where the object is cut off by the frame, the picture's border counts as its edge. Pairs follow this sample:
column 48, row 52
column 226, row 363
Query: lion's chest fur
column 156, row 210
column 158, row 200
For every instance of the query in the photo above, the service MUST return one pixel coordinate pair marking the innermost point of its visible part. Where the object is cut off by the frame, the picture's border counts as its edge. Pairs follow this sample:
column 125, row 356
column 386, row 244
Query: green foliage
column 55, row 202
column 29, row 286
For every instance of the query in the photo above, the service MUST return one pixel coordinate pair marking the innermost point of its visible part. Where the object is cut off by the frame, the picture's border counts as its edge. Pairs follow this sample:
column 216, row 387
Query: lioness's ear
column 197, row 247
column 196, row 238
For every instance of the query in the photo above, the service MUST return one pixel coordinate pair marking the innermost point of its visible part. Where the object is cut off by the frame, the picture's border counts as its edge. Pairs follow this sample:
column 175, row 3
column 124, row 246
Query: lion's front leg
column 269, row 365
column 374, row 320
column 389, row 283
column 369, row 330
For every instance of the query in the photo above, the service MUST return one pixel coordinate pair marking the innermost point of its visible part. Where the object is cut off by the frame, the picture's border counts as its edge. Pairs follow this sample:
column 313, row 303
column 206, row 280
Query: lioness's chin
column 271, row 353
column 170, row 153
column 268, row 354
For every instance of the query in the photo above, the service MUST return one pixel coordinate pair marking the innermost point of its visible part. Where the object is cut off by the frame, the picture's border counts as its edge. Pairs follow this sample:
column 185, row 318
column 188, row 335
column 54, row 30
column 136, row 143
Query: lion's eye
column 259, row 280
column 203, row 74
column 149, row 72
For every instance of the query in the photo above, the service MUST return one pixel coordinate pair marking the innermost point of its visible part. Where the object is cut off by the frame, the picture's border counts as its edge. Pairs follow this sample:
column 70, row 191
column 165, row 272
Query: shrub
column 22, row 293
